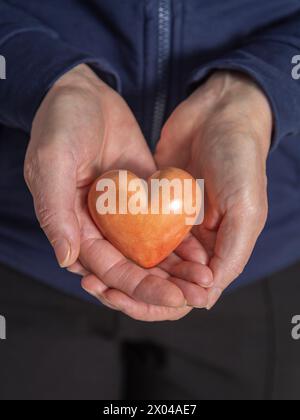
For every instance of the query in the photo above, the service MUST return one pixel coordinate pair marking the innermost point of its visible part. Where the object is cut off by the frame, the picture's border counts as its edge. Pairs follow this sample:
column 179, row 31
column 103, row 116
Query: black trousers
column 58, row 347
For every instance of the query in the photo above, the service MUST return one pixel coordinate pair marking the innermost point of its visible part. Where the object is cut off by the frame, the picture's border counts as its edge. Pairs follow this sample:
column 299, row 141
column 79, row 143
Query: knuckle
column 46, row 154
column 255, row 210
column 124, row 272
column 124, row 276
column 232, row 271
column 237, row 270
column 259, row 214
column 29, row 171
column 90, row 244
column 46, row 217
column 34, row 162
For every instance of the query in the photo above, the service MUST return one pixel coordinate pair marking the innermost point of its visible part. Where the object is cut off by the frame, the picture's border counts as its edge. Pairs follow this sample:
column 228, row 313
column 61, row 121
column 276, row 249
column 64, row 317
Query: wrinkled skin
column 222, row 133
column 82, row 129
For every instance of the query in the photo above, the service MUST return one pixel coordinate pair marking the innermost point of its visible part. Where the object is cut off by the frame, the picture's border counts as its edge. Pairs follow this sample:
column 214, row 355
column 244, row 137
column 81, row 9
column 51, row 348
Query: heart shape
column 145, row 222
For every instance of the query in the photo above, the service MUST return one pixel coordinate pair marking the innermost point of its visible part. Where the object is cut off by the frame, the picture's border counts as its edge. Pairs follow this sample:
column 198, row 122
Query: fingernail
column 62, row 250
column 77, row 269
column 213, row 297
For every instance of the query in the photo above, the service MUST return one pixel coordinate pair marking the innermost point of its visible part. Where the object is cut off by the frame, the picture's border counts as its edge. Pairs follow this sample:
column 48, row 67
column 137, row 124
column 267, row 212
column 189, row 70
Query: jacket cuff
column 279, row 88
column 35, row 60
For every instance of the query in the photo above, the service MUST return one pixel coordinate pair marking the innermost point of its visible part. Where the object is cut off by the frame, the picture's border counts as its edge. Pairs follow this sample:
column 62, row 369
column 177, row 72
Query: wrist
column 237, row 94
column 80, row 77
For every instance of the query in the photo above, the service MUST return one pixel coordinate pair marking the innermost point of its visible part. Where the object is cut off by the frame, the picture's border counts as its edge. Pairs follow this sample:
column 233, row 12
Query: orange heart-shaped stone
column 146, row 221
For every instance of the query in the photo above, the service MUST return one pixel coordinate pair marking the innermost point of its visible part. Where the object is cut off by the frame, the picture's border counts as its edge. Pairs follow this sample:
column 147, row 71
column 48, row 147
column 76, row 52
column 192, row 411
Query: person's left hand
column 222, row 134
column 82, row 129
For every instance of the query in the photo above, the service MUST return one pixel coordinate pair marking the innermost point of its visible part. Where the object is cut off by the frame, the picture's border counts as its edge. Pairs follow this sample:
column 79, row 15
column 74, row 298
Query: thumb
column 52, row 183
column 236, row 239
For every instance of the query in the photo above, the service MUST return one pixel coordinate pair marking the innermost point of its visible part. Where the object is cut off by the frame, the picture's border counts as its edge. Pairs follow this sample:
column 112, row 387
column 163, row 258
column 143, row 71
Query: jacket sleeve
column 271, row 57
column 35, row 57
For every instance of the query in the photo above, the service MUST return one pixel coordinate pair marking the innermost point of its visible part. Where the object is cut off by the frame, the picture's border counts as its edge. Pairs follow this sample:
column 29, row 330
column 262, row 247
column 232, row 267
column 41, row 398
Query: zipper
column 163, row 64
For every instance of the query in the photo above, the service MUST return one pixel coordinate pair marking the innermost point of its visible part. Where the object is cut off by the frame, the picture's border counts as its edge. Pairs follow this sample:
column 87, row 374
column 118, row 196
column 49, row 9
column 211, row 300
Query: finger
column 77, row 268
column 157, row 271
column 114, row 299
column 142, row 312
column 235, row 242
column 95, row 287
column 52, row 182
column 189, row 278
column 196, row 296
column 192, row 250
column 116, row 272
column 192, row 272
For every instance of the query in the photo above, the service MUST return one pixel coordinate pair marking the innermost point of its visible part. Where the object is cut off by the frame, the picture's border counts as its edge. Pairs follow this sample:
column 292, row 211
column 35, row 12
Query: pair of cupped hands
column 221, row 134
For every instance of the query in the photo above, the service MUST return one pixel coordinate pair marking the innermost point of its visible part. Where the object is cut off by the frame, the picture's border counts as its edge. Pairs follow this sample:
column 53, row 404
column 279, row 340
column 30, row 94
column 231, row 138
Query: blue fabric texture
column 119, row 39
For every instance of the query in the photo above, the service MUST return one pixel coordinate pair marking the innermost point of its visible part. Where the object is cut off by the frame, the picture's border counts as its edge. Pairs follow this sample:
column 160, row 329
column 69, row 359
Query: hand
column 82, row 129
column 222, row 134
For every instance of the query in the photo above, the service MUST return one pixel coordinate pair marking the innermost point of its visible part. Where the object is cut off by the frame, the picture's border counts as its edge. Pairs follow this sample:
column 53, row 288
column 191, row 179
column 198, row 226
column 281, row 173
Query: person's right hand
column 82, row 129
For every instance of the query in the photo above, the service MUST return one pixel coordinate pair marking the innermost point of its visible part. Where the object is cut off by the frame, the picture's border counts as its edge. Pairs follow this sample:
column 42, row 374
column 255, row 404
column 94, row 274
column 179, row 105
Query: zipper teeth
column 163, row 61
